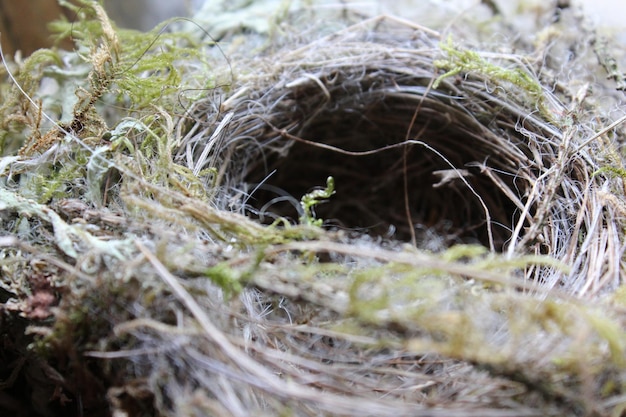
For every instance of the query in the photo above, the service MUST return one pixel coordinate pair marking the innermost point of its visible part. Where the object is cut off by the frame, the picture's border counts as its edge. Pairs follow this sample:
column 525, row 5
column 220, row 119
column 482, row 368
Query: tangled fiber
column 484, row 156
column 378, row 220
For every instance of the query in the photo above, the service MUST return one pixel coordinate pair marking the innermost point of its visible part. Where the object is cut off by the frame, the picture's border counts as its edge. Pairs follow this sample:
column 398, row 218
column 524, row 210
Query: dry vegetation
column 366, row 217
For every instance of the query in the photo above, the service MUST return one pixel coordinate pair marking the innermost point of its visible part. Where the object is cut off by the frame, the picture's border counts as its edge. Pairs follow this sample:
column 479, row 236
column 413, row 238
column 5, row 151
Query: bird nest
column 380, row 221
column 429, row 144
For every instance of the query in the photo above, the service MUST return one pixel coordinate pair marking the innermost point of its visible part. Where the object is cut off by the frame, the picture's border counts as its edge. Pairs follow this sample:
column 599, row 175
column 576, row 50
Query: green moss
column 226, row 278
column 315, row 197
column 613, row 171
column 611, row 332
column 366, row 300
column 17, row 113
column 459, row 252
column 459, row 60
column 143, row 66
column 619, row 296
column 59, row 183
column 465, row 60
column 150, row 70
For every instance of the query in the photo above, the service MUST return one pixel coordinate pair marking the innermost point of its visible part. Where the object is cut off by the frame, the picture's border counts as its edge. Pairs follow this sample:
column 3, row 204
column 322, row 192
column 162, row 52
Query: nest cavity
column 416, row 155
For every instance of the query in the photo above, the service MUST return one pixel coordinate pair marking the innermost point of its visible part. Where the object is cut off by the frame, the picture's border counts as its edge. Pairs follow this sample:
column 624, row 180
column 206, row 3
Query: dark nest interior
column 378, row 182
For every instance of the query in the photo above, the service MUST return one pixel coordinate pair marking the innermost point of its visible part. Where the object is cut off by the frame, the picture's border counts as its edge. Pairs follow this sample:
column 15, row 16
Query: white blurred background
column 145, row 14
column 18, row 33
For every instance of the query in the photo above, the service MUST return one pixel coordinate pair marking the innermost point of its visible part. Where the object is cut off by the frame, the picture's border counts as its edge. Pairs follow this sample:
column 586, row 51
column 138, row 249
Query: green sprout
column 310, row 200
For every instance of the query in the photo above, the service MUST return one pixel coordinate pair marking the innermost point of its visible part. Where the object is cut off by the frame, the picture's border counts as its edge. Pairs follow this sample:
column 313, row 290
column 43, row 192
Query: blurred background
column 23, row 23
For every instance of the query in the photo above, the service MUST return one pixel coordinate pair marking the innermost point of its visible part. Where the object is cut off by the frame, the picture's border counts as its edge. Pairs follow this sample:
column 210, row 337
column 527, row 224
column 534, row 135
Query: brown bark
column 24, row 24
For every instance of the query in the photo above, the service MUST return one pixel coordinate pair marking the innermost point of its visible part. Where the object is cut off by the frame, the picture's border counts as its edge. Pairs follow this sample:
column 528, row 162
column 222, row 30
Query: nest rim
column 494, row 148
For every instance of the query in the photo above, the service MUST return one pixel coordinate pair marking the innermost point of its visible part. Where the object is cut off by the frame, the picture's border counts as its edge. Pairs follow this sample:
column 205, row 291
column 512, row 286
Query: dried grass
column 360, row 106
column 469, row 263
